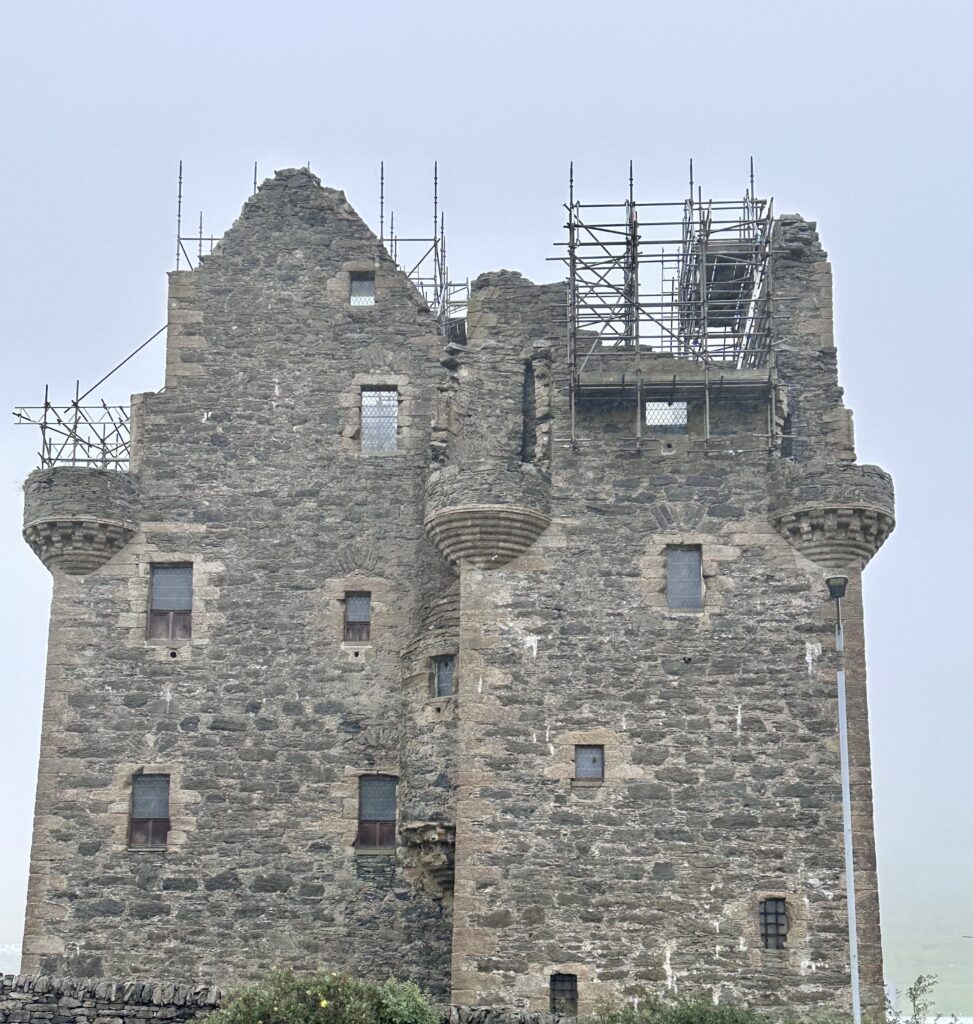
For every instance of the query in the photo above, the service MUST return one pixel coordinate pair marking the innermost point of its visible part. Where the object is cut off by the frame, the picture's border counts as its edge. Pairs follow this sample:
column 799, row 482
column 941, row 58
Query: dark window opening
column 358, row 616
column 773, row 923
column 170, row 602
column 376, row 812
column 444, row 669
column 528, row 442
column 148, row 826
column 667, row 417
column 363, row 288
column 684, row 577
column 379, row 419
column 787, row 440
column 564, row 994
column 589, row 762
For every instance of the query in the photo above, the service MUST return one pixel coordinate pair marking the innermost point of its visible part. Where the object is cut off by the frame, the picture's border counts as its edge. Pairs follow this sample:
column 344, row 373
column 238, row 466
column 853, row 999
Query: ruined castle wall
column 250, row 468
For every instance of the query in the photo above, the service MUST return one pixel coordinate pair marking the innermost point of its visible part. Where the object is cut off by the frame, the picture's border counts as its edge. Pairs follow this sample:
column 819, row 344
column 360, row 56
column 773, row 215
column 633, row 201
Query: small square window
column 589, row 762
column 684, row 577
column 773, row 923
column 363, row 288
column 148, row 826
column 444, row 673
column 170, row 602
column 667, row 417
column 376, row 812
column 379, row 419
column 358, row 616
column 564, row 994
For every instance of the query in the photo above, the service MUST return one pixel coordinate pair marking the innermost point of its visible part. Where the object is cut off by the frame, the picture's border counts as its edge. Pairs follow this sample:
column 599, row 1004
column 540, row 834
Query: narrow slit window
column 148, row 827
column 358, row 616
column 379, row 419
column 564, row 994
column 773, row 923
column 170, row 602
column 376, row 812
column 444, row 669
column 528, row 439
column 667, row 417
column 684, row 577
column 363, row 288
column 589, row 762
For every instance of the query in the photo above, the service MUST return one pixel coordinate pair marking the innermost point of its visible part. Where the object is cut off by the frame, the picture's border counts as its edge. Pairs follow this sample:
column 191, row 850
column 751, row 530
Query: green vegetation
column 325, row 998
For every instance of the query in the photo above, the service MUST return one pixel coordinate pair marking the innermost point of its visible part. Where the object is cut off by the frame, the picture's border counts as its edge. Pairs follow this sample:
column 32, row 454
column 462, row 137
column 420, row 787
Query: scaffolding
column 422, row 258
column 652, row 283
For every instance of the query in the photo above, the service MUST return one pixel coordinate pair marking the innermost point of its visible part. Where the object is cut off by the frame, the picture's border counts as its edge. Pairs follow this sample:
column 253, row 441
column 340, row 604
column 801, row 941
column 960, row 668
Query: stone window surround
column 338, row 287
column 407, row 435
column 329, row 611
column 431, row 694
column 181, row 808
column 717, row 580
column 796, row 922
column 617, row 752
column 346, row 790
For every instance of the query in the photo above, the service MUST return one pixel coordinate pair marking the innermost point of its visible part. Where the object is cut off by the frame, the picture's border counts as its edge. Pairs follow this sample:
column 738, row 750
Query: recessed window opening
column 444, row 671
column 528, row 442
column 170, row 602
column 773, row 923
column 667, row 417
column 379, row 419
column 363, row 287
column 376, row 812
column 589, row 762
column 358, row 616
column 684, row 577
column 564, row 994
column 148, row 827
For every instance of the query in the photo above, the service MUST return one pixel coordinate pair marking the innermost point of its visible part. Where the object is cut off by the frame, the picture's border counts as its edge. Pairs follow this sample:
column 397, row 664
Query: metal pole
column 856, row 1007
column 179, row 217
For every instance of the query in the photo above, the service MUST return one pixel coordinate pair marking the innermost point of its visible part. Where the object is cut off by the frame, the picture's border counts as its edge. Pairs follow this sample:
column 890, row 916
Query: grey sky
column 856, row 113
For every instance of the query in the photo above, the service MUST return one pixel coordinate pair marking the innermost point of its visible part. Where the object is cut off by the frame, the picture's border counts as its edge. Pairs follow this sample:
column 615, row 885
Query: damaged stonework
column 429, row 851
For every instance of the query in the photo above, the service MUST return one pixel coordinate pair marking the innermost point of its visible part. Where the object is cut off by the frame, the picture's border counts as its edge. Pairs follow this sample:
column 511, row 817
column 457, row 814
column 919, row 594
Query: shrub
column 652, row 1010
column 325, row 998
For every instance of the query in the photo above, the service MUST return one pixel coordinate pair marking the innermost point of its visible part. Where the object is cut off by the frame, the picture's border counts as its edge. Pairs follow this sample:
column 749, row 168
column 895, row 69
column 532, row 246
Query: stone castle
column 398, row 653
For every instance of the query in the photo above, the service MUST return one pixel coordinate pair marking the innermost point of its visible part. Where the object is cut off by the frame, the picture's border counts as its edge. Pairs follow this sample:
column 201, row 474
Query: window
column 667, row 417
column 528, row 437
column 376, row 812
column 773, row 923
column 363, row 288
column 589, row 762
column 564, row 994
column 379, row 419
column 444, row 671
column 171, row 602
column 148, row 827
column 358, row 616
column 684, row 577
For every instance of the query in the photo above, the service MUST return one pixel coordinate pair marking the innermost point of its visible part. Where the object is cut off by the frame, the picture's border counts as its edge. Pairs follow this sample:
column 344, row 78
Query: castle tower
column 498, row 664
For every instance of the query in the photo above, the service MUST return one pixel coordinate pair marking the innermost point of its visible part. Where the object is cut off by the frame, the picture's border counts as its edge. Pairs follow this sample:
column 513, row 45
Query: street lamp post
column 837, row 586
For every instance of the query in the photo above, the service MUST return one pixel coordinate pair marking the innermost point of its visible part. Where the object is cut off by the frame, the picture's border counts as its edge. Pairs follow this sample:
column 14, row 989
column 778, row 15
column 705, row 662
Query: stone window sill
column 382, row 851
column 587, row 783
column 147, row 849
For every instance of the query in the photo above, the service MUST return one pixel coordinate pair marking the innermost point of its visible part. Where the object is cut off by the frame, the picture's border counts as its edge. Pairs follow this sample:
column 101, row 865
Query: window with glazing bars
column 379, row 419
column 589, row 762
column 376, row 812
column 667, row 417
column 684, row 577
column 170, row 602
column 564, row 994
column 773, row 923
column 148, row 826
column 358, row 616
column 362, row 288
column 444, row 669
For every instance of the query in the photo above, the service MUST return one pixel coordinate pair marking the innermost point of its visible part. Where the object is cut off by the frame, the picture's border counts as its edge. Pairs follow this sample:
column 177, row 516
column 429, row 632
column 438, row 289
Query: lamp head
column 837, row 585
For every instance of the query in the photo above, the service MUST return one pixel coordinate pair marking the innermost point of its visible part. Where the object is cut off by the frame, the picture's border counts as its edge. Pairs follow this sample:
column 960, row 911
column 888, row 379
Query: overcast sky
column 857, row 115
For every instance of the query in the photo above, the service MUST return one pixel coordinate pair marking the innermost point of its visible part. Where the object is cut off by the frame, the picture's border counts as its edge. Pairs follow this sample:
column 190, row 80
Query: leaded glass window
column 358, row 616
column 684, row 577
column 362, row 288
column 445, row 671
column 376, row 811
column 149, row 819
column 379, row 419
column 589, row 762
column 564, row 994
column 773, row 923
column 170, row 602
column 667, row 417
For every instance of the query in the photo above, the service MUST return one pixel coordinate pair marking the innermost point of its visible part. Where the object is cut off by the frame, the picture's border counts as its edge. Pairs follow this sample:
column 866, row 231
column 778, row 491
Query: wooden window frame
column 698, row 550
column 437, row 661
column 172, row 617
column 377, row 835
column 770, row 919
column 356, row 632
column 148, row 833
column 578, row 747
column 559, row 984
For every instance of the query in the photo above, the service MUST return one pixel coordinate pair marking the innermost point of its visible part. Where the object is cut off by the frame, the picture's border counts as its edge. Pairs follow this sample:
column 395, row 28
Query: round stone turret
column 76, row 517
column 836, row 515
